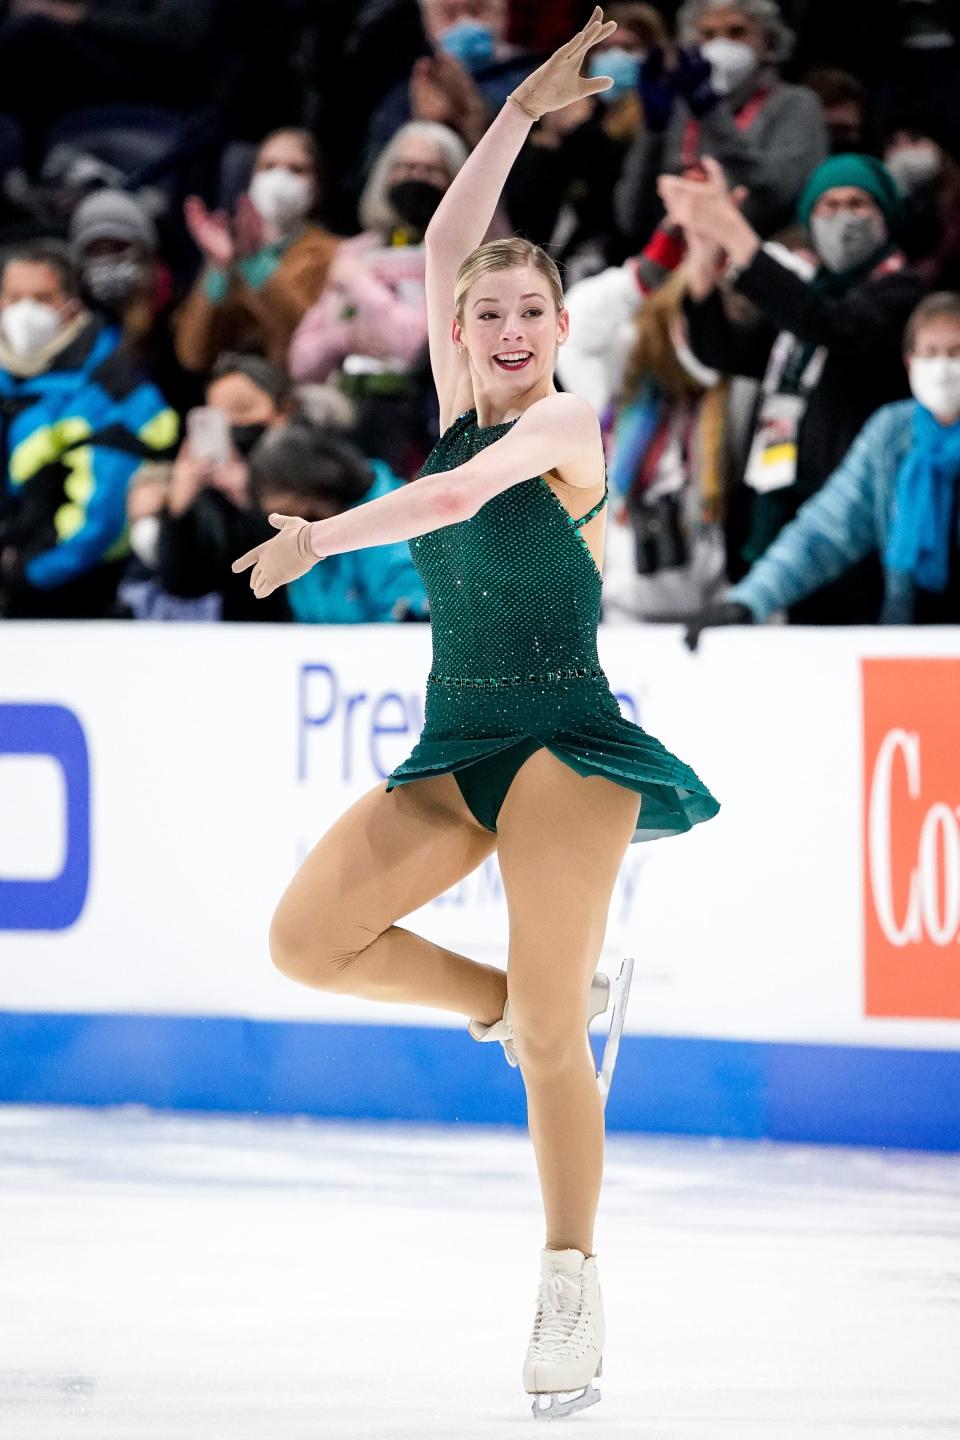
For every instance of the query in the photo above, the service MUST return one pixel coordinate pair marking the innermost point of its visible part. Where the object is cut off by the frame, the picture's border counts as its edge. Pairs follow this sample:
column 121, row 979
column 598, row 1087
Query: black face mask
column 245, row 437
column 416, row 201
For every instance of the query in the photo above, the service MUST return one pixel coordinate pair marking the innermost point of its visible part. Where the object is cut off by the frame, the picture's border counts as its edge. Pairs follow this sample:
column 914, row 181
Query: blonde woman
column 524, row 750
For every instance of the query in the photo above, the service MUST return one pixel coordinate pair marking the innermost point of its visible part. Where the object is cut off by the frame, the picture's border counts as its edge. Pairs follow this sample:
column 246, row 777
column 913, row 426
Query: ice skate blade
column 556, row 1409
column 620, row 990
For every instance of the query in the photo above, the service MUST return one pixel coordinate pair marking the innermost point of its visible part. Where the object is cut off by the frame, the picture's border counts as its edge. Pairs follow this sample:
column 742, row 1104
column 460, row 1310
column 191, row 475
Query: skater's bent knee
column 309, row 958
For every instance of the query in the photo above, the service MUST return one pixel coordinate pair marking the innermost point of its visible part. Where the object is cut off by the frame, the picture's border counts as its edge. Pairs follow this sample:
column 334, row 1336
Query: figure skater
column 524, row 749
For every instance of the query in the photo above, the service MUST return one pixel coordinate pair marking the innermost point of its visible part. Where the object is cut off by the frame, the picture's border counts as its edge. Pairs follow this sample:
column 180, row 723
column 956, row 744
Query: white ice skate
column 605, row 993
column 565, row 1353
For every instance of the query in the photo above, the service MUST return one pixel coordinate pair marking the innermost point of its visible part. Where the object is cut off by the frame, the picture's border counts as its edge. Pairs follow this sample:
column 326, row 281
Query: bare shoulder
column 572, row 420
column 567, row 409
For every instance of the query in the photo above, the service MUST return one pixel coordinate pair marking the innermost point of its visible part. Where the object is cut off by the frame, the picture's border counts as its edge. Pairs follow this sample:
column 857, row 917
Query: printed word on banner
column 911, row 726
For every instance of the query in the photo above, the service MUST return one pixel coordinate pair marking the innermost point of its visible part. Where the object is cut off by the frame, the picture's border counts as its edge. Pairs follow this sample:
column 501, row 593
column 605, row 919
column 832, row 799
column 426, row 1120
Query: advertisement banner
column 161, row 784
column 911, row 754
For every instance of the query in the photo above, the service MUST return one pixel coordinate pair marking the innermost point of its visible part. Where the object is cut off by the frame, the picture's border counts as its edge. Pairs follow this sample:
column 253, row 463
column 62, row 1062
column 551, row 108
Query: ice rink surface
column 166, row 1277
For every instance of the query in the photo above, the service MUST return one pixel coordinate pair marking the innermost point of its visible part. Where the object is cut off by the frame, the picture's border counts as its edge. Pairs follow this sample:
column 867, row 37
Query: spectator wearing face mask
column 560, row 190
column 308, row 472
column 140, row 593
column 80, row 413
column 894, row 494
column 721, row 95
column 194, row 519
column 466, row 79
column 369, row 327
column 265, row 267
column 114, row 245
column 827, row 352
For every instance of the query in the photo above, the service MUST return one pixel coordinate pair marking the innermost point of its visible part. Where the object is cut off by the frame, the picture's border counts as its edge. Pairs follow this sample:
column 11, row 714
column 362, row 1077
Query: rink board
column 831, row 1094
column 797, row 961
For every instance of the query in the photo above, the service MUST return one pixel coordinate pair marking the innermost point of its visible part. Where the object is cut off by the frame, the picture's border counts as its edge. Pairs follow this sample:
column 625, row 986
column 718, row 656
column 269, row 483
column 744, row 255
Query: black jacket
column 196, row 549
column 864, row 369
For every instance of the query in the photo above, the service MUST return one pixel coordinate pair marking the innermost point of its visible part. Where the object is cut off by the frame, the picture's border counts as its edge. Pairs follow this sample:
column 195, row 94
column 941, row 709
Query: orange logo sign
column 911, row 749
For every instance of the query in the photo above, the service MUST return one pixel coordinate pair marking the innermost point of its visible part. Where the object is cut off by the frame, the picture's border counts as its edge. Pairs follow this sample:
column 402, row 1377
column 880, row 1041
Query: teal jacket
column 841, row 524
column 358, row 587
column 72, row 437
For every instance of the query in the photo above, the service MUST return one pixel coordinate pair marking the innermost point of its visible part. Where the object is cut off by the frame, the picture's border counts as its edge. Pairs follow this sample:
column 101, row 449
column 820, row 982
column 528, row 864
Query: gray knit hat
column 111, row 215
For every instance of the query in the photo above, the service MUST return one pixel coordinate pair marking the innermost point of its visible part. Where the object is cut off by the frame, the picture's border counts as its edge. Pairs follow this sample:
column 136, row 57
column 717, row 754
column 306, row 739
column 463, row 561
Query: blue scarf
column 920, row 537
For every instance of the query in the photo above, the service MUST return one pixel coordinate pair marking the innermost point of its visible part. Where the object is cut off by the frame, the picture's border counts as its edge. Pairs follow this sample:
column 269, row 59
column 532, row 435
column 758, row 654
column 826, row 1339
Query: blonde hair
column 505, row 255
column 654, row 355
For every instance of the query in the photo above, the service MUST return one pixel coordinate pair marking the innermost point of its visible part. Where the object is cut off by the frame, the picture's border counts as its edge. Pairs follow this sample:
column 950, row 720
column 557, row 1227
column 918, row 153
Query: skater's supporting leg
column 387, row 855
column 561, row 839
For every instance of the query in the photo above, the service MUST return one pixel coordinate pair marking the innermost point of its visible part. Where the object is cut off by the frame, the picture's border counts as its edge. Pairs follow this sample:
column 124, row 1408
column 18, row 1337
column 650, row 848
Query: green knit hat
column 863, row 171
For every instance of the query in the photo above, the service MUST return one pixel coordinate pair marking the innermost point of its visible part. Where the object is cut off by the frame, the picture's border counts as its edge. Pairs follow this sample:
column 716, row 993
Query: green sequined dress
column 514, row 606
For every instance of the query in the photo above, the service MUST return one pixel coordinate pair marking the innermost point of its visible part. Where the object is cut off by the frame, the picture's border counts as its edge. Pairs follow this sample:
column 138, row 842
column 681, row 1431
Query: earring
column 459, row 349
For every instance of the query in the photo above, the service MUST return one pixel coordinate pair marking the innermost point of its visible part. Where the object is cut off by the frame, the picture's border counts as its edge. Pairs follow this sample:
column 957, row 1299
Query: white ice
column 166, row 1277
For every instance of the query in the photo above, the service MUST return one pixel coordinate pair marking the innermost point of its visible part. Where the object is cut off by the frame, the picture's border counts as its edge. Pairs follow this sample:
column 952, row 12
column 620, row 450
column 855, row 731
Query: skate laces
column 556, row 1321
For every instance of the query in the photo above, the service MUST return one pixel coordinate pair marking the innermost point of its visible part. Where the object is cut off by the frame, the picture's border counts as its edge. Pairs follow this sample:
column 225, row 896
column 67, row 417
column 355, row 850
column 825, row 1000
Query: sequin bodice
column 514, row 591
column 514, row 609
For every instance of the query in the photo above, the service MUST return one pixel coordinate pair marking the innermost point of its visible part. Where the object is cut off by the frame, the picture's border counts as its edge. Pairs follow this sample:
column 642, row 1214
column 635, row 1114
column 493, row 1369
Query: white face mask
column 731, row 62
column 280, row 196
column 145, row 539
column 913, row 166
column 28, row 325
column 935, row 382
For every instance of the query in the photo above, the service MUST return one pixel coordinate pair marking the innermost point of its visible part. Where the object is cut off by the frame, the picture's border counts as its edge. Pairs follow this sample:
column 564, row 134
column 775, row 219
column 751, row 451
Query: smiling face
column 510, row 332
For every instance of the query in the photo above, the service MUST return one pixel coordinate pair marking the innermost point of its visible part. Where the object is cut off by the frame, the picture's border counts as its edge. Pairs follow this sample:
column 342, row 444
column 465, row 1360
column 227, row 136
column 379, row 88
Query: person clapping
column 265, row 266
column 827, row 348
column 895, row 493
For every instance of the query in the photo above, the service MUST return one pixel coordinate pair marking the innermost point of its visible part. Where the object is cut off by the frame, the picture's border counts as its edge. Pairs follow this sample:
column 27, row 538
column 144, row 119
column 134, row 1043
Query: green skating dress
column 514, row 607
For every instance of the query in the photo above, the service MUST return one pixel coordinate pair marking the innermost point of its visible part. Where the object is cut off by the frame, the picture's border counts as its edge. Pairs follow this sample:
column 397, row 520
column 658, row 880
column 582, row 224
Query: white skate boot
column 565, row 1353
column 604, row 993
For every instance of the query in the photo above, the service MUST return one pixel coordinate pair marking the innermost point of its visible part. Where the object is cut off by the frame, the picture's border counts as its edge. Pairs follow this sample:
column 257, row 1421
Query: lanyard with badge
column 772, row 462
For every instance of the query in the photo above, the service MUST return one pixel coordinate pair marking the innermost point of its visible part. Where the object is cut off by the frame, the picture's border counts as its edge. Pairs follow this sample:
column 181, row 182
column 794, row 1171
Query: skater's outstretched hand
column 278, row 561
column 558, row 81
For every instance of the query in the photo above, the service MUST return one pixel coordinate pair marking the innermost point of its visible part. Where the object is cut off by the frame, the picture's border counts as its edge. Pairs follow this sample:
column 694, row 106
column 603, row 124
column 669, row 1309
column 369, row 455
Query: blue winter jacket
column 841, row 524
column 72, row 437
column 379, row 582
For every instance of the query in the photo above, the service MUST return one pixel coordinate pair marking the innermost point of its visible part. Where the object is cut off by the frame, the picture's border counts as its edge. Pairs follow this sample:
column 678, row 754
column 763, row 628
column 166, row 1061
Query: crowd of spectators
column 212, row 221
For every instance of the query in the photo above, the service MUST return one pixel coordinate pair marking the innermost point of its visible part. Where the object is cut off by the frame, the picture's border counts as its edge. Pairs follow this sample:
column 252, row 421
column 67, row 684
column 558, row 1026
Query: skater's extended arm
column 557, row 431
column 463, row 216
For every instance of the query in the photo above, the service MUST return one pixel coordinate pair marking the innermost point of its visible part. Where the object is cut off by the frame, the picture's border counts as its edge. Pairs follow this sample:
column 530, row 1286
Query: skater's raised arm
column 463, row 216
column 559, row 431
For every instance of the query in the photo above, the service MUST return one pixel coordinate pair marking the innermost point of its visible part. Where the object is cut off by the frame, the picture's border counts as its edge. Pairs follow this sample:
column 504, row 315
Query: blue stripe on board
column 823, row 1093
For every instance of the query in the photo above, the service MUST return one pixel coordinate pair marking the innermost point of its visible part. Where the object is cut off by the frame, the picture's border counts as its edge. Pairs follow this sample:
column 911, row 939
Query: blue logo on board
column 54, row 903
